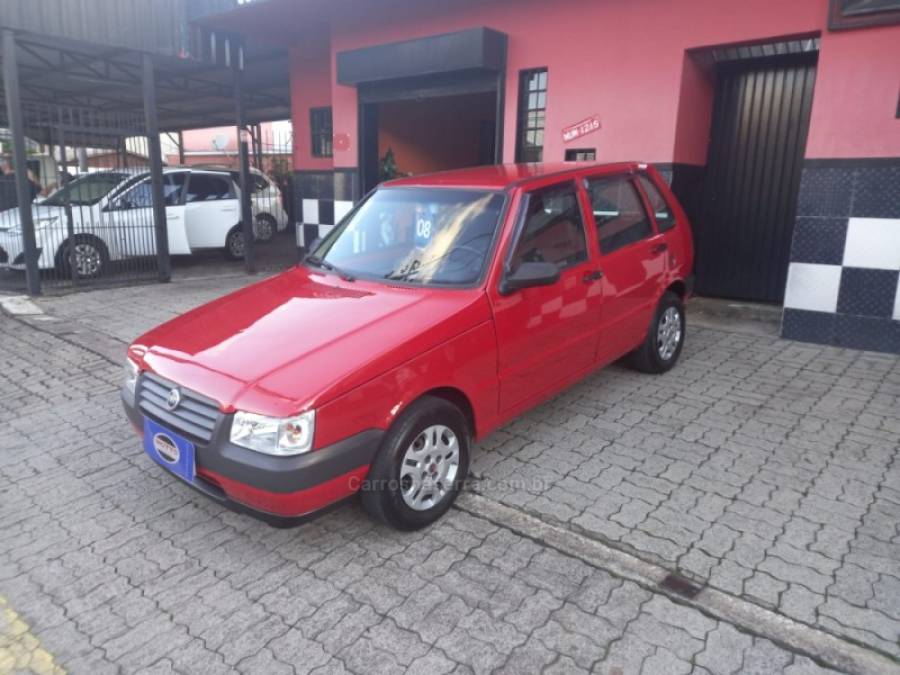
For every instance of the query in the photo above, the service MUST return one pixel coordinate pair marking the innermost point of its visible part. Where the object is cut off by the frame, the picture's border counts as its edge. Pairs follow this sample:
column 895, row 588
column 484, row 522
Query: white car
column 269, row 214
column 202, row 212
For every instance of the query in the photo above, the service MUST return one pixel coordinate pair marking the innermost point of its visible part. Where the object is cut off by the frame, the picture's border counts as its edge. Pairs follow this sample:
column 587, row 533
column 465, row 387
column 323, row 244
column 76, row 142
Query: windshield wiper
column 325, row 265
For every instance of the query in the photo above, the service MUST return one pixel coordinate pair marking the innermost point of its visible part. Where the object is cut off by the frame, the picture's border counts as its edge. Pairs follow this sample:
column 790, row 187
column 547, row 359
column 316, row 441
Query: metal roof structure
column 83, row 59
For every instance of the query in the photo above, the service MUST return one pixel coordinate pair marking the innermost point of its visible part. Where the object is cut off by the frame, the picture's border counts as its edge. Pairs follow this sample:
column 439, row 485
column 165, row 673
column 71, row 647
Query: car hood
column 299, row 339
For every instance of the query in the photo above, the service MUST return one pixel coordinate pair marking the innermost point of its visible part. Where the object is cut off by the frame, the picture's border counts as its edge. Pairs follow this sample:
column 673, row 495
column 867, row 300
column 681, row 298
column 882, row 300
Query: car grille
column 196, row 416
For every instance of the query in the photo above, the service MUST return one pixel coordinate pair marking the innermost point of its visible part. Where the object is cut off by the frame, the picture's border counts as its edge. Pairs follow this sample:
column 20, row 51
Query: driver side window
column 141, row 195
column 553, row 230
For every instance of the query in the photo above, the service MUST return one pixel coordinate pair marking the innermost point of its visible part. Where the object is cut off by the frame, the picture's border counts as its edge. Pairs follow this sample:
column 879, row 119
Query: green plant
column 387, row 166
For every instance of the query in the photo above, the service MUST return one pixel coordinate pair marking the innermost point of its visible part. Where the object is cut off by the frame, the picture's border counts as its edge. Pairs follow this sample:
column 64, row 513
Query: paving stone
column 724, row 650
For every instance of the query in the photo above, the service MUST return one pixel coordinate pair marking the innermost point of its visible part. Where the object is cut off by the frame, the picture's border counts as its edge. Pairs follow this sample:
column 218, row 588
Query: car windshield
column 427, row 236
column 86, row 190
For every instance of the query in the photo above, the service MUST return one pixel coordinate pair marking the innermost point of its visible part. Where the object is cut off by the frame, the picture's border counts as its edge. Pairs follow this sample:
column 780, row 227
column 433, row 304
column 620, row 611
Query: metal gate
column 760, row 123
column 92, row 199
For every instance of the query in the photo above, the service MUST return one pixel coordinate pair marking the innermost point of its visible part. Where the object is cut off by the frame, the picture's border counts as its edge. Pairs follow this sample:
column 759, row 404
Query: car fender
column 466, row 363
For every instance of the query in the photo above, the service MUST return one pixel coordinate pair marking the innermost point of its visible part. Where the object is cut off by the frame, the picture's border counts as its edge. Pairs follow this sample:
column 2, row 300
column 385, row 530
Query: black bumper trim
column 276, row 474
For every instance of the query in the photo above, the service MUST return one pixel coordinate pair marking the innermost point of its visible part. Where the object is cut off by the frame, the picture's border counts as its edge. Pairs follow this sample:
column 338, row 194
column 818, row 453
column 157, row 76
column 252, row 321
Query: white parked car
column 269, row 214
column 202, row 212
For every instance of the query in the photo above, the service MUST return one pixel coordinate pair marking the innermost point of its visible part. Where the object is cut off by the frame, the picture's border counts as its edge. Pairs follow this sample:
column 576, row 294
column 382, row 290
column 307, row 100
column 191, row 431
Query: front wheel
column 84, row 257
column 665, row 337
column 420, row 467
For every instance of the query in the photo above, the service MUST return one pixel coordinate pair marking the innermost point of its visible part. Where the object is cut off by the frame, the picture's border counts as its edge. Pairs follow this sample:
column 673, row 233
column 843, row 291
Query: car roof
column 502, row 176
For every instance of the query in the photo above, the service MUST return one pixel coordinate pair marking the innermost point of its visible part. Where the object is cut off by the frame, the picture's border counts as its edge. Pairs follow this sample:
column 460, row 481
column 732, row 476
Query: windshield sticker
column 425, row 225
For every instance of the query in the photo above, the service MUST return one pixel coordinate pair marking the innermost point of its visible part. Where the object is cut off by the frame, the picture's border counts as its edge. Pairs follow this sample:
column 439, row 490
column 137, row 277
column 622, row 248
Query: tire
column 665, row 337
column 234, row 243
column 264, row 228
column 91, row 257
column 390, row 493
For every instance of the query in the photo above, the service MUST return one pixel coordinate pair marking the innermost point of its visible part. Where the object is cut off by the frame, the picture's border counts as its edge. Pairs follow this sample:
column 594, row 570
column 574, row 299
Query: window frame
column 645, row 194
column 141, row 179
column 232, row 191
column 522, row 111
column 321, row 134
column 630, row 177
column 522, row 216
column 575, row 151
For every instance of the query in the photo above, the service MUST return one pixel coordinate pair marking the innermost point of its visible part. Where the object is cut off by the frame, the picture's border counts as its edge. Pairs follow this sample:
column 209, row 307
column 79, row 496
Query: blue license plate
column 169, row 450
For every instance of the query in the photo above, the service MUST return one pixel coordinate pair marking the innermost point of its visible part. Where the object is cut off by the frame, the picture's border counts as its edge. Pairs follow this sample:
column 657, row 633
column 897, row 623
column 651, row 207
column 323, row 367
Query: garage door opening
column 409, row 137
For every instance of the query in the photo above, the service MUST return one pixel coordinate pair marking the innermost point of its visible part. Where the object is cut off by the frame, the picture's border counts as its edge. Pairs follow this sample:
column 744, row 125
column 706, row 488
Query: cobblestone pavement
column 763, row 467
column 766, row 468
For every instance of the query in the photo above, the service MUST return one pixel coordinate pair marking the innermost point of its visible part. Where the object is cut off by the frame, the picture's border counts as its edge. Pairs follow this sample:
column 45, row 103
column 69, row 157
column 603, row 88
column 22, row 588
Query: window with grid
column 532, row 113
column 320, row 127
column 581, row 155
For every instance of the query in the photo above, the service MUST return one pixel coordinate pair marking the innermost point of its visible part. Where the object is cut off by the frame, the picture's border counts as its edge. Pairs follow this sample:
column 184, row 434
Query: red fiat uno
column 440, row 308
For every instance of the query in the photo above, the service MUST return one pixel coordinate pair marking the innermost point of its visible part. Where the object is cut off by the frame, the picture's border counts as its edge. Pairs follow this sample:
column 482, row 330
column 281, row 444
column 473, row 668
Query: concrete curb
column 818, row 645
column 19, row 305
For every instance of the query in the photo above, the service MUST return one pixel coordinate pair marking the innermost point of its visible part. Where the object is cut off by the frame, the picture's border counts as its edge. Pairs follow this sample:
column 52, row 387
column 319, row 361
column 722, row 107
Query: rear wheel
column 665, row 337
column 84, row 257
column 234, row 243
column 264, row 227
column 420, row 467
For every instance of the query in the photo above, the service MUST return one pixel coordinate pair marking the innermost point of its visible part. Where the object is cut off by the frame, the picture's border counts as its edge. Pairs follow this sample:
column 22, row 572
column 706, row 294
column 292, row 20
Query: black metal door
column 760, row 123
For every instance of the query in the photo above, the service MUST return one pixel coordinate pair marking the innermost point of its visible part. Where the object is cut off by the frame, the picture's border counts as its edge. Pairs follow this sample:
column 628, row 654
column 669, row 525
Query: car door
column 211, row 209
column 546, row 335
column 131, row 214
column 632, row 259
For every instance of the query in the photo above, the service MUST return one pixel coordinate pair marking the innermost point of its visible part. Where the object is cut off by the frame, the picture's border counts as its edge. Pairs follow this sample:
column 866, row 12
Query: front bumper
column 281, row 491
column 13, row 251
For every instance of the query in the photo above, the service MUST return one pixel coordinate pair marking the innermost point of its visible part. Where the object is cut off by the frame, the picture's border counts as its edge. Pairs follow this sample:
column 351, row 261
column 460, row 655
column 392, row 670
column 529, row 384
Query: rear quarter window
column 618, row 212
column 665, row 218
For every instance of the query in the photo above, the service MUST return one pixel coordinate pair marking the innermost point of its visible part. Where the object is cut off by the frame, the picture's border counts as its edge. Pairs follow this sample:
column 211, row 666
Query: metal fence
column 270, row 181
column 91, row 197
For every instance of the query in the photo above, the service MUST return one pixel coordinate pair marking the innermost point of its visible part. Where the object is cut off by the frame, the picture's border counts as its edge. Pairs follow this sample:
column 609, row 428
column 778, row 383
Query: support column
column 237, row 64
column 20, row 160
column 181, row 148
column 156, row 178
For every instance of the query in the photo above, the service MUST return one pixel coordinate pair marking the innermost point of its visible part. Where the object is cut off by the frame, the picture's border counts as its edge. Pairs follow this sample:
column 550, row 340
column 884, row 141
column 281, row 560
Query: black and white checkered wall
column 843, row 285
column 322, row 199
column 318, row 216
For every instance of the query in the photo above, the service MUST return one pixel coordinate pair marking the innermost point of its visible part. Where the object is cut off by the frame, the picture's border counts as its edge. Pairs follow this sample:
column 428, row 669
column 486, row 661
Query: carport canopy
column 190, row 93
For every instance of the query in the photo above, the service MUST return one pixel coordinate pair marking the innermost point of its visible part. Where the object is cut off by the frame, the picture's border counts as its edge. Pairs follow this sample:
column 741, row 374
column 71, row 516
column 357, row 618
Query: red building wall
column 857, row 88
column 620, row 59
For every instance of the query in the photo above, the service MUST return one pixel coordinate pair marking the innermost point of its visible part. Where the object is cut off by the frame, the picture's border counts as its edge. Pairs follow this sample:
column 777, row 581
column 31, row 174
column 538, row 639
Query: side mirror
column 529, row 274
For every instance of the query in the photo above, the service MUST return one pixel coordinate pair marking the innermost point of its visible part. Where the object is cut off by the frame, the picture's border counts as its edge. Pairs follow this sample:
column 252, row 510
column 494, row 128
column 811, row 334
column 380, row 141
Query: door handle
column 592, row 276
column 659, row 248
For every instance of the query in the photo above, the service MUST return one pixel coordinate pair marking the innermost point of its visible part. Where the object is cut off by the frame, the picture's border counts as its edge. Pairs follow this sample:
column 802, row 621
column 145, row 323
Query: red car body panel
column 359, row 352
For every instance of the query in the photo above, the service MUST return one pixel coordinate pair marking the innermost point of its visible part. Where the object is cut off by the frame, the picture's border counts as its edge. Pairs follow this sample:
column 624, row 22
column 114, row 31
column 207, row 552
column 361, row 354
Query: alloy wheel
column 429, row 468
column 668, row 333
column 236, row 244
column 87, row 260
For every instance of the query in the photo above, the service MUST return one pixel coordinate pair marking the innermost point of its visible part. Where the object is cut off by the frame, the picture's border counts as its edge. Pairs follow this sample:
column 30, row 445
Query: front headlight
column 274, row 435
column 131, row 375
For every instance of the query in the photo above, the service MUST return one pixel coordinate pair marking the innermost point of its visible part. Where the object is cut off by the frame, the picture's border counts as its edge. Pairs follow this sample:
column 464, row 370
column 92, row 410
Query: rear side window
column 203, row 187
column 618, row 211
column 553, row 230
column 665, row 219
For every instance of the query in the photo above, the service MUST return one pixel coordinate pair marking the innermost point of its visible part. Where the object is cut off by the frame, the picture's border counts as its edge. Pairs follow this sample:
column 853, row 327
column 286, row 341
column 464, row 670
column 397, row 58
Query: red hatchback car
column 440, row 308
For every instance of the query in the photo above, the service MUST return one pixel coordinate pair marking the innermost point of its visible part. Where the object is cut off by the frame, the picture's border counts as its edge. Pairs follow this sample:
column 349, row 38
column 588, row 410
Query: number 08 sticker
column 424, row 226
